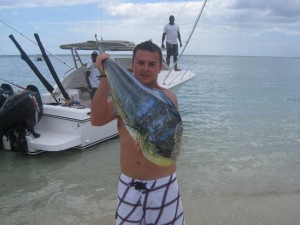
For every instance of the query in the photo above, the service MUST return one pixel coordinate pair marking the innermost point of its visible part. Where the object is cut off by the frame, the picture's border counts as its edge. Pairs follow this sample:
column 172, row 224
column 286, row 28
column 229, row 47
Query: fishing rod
column 190, row 36
column 196, row 22
column 50, row 67
column 34, row 43
column 100, row 50
column 25, row 57
column 13, row 84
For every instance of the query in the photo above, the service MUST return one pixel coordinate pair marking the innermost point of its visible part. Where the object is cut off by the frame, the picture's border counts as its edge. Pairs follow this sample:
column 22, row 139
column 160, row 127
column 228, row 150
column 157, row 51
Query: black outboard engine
column 5, row 91
column 18, row 116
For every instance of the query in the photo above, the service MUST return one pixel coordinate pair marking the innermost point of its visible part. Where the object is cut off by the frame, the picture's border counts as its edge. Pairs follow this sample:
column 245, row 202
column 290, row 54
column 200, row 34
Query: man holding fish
column 150, row 131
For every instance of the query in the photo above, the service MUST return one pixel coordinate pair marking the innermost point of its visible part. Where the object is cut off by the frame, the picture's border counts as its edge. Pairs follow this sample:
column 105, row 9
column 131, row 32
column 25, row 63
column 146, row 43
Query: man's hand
column 180, row 44
column 99, row 60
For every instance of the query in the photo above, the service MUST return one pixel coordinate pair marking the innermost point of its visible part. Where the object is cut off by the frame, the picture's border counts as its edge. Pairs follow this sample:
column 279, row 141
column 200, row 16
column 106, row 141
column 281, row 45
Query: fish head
column 162, row 153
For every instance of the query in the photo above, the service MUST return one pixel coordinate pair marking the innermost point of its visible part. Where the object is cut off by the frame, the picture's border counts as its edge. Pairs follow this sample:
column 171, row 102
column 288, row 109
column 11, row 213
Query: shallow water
column 239, row 164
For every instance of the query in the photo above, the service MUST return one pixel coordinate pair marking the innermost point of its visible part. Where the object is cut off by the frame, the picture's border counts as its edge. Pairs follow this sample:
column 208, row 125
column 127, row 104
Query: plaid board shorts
column 149, row 202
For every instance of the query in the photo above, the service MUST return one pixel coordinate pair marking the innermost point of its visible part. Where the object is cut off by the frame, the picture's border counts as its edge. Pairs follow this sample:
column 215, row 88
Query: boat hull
column 63, row 128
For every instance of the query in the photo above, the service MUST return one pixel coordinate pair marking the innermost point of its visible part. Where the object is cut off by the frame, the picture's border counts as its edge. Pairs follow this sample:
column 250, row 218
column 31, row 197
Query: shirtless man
column 147, row 193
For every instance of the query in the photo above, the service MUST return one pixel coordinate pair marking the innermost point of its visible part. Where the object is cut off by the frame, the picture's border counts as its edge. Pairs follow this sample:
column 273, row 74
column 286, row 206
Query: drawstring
column 139, row 185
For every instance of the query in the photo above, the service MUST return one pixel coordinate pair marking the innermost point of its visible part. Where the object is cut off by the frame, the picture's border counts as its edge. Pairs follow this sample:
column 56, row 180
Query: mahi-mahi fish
column 149, row 115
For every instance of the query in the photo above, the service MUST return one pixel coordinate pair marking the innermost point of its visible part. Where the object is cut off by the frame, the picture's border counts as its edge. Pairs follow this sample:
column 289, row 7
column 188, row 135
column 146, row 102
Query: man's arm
column 102, row 110
column 163, row 40
column 179, row 38
column 87, row 75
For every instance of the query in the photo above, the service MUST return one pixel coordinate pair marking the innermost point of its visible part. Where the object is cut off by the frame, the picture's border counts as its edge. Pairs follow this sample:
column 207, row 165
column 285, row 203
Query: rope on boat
column 18, row 86
column 34, row 43
column 71, row 67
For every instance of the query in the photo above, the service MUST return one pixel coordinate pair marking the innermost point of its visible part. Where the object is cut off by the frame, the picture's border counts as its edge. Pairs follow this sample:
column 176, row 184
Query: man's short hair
column 94, row 54
column 148, row 46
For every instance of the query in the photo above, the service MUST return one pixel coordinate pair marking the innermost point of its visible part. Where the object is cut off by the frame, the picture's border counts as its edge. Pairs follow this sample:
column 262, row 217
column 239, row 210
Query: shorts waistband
column 150, row 183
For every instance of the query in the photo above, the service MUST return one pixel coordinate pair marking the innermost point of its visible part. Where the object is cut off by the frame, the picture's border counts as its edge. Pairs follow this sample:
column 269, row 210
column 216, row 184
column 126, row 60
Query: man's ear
column 161, row 66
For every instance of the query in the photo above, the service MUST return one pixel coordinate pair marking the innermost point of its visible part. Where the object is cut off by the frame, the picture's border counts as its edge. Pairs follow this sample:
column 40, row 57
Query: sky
column 226, row 27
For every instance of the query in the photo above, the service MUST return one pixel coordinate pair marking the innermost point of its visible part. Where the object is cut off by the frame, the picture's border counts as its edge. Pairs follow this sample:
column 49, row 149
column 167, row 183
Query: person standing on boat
column 92, row 75
column 171, row 31
column 147, row 193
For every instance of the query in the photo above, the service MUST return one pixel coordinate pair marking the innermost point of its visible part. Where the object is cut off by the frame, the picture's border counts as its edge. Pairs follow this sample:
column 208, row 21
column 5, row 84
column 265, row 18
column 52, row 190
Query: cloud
column 7, row 4
column 287, row 9
column 255, row 16
column 222, row 26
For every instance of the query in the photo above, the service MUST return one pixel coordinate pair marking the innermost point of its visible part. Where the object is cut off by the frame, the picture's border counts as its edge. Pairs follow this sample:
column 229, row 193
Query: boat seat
column 85, row 99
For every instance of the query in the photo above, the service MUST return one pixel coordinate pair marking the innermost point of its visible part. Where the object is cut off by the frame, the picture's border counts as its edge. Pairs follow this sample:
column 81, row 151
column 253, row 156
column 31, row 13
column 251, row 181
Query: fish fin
column 150, row 152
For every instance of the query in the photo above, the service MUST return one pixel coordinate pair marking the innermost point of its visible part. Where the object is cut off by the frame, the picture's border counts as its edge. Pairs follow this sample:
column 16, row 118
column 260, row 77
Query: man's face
column 146, row 66
column 94, row 57
column 171, row 20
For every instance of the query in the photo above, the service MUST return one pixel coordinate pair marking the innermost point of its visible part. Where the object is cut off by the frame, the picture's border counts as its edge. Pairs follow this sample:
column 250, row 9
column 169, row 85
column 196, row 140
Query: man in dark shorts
column 171, row 31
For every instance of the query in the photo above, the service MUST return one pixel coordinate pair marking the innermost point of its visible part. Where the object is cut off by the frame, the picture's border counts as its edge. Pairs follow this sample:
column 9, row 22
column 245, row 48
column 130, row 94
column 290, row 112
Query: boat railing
column 69, row 71
column 76, row 58
column 185, row 70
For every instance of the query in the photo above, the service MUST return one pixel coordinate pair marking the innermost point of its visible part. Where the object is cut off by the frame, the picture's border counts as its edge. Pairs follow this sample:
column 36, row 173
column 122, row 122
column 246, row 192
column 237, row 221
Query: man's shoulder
column 95, row 71
column 170, row 94
column 174, row 26
column 90, row 66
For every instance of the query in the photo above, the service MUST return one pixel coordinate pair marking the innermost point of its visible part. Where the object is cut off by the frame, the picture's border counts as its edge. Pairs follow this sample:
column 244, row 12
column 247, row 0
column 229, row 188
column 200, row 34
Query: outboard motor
column 18, row 116
column 5, row 91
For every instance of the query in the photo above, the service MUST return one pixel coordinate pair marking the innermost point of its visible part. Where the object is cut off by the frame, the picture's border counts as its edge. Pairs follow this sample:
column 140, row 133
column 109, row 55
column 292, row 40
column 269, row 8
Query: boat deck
column 52, row 141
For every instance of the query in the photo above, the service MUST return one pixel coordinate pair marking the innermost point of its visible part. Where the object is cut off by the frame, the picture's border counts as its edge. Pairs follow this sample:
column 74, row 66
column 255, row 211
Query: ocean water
column 240, row 159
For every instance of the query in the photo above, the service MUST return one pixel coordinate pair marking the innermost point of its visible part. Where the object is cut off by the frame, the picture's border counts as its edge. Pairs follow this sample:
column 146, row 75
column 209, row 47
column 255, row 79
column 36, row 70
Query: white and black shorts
column 149, row 202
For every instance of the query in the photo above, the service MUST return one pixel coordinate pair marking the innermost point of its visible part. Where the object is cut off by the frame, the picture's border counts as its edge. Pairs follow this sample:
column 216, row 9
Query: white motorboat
column 65, row 126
